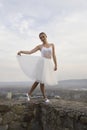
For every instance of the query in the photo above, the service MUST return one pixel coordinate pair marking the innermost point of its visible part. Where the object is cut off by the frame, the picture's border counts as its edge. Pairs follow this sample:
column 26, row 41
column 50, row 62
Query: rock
column 83, row 119
column 16, row 126
column 8, row 117
column 0, row 120
column 4, row 108
column 3, row 127
column 66, row 129
column 18, row 109
column 24, row 124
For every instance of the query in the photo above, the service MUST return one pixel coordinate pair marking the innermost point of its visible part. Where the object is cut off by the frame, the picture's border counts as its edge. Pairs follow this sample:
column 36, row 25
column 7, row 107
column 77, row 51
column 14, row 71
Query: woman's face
column 43, row 37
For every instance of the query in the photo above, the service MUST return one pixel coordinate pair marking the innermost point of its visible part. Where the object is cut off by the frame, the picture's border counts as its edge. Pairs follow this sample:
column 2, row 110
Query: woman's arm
column 54, row 57
column 29, row 52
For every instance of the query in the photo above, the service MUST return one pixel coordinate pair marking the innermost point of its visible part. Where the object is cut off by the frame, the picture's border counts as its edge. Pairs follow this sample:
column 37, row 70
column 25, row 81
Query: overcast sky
column 65, row 23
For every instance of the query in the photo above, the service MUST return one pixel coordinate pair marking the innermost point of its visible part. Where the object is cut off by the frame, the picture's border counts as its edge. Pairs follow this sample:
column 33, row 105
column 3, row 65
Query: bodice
column 46, row 52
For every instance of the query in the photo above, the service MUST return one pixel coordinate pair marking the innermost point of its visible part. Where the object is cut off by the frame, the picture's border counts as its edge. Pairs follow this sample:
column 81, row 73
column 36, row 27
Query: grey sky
column 65, row 23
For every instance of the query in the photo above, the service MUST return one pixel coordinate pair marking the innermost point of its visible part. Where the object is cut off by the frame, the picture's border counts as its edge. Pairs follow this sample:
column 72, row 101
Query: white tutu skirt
column 39, row 69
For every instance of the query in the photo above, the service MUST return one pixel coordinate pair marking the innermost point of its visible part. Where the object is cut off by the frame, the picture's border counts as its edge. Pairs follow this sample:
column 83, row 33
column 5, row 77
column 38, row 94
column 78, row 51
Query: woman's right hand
column 19, row 53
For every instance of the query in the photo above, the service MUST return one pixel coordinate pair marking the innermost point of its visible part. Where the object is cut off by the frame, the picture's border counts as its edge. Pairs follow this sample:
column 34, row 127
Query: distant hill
column 14, row 84
column 69, row 84
column 73, row 84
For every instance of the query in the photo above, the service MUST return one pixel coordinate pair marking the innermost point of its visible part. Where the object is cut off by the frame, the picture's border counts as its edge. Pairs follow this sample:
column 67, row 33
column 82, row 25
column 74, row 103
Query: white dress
column 39, row 68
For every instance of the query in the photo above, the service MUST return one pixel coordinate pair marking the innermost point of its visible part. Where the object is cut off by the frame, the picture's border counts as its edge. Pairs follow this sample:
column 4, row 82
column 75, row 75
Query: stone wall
column 64, row 115
column 37, row 115
column 18, row 116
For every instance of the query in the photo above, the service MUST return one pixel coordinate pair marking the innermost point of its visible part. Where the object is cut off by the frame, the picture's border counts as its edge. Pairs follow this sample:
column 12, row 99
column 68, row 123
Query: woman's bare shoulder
column 39, row 46
column 51, row 44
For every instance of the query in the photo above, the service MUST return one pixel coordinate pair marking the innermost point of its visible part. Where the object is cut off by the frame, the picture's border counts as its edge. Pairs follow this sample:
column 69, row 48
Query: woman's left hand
column 55, row 68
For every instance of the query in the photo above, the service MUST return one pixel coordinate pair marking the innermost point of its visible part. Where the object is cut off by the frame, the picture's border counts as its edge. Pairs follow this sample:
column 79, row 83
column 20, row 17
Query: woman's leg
column 33, row 87
column 42, row 87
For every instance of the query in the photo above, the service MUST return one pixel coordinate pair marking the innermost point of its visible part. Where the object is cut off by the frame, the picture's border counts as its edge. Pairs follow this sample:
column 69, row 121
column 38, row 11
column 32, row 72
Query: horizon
column 75, row 84
column 32, row 81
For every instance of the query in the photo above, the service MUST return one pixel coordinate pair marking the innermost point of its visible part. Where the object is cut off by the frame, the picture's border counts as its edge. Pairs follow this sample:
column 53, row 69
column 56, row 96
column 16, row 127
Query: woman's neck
column 45, row 42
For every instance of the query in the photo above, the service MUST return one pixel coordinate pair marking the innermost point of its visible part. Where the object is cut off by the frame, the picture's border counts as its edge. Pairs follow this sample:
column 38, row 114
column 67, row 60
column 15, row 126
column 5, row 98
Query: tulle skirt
column 39, row 69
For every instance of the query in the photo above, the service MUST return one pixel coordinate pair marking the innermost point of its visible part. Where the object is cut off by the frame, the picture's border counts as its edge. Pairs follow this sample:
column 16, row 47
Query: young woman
column 40, row 68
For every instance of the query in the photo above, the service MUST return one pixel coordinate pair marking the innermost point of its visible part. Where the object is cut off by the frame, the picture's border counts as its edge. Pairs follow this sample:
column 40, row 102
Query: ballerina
column 40, row 68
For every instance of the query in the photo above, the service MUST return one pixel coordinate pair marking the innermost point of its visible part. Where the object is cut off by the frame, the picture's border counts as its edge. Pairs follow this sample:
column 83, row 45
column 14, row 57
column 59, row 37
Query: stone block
column 8, row 117
column 3, row 127
column 16, row 126
column 4, row 108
